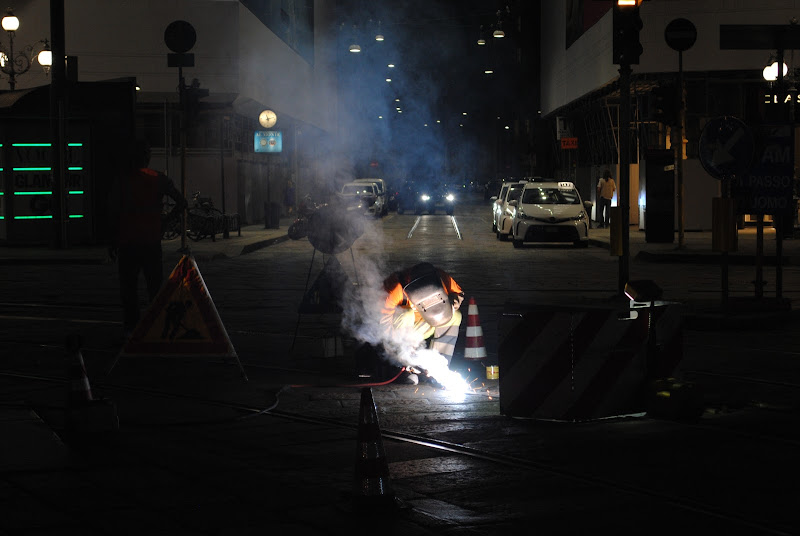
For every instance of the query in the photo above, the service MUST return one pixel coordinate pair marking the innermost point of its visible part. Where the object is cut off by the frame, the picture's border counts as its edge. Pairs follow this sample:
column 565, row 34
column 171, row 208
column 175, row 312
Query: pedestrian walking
column 605, row 193
column 135, row 228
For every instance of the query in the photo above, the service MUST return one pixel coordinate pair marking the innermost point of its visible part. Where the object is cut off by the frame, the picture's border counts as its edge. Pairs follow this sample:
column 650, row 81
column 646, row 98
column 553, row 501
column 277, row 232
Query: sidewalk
column 249, row 239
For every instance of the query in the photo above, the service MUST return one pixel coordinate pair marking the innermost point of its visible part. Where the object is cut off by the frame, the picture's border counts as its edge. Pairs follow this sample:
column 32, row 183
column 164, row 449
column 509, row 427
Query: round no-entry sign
column 680, row 34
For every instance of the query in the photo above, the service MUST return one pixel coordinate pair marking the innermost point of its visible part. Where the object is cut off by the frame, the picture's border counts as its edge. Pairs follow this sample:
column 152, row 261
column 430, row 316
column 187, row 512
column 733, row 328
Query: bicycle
column 170, row 222
column 204, row 219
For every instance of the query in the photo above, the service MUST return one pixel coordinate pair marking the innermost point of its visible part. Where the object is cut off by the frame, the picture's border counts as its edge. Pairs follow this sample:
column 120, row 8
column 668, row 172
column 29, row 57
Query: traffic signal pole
column 625, row 52
column 624, row 171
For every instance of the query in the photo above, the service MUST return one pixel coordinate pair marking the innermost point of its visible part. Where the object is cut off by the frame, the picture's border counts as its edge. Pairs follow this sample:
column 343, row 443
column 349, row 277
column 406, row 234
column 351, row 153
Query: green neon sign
column 41, row 145
column 33, row 217
column 43, row 192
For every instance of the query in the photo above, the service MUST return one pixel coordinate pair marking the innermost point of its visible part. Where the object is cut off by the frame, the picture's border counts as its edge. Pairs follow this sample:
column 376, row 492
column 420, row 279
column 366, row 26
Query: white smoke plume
column 362, row 314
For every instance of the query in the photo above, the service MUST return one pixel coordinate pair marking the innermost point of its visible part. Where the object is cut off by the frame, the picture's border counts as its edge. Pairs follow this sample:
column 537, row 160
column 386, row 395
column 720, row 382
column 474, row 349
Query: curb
column 249, row 248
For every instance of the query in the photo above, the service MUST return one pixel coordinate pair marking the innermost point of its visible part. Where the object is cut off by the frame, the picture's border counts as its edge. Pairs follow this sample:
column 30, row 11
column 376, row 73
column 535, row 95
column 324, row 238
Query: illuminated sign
column 32, row 181
column 775, row 99
column 569, row 143
column 268, row 141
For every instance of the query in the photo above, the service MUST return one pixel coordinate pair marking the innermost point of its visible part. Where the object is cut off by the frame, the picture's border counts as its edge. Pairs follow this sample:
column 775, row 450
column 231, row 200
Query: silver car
column 506, row 210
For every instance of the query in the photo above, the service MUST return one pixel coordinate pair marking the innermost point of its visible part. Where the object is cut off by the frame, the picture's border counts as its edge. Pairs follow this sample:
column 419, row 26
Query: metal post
column 58, row 121
column 182, row 102
column 225, row 233
column 167, row 141
column 624, row 170
column 679, row 155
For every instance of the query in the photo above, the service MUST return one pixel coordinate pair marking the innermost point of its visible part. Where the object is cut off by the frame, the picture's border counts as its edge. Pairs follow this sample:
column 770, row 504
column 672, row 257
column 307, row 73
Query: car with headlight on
column 505, row 212
column 550, row 212
column 429, row 197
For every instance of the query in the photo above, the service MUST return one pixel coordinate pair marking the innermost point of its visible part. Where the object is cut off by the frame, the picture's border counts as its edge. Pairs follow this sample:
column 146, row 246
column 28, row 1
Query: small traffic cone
column 87, row 418
column 474, row 348
column 371, row 486
column 80, row 390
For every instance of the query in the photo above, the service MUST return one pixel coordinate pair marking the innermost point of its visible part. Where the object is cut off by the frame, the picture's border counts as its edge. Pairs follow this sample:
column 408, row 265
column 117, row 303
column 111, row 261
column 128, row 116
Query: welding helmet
column 427, row 294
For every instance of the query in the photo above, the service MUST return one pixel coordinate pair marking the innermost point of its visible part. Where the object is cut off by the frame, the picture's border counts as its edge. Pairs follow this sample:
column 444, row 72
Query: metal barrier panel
column 584, row 363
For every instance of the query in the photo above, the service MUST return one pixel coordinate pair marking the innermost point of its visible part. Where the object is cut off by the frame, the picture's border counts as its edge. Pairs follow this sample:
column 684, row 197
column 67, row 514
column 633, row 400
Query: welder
column 423, row 302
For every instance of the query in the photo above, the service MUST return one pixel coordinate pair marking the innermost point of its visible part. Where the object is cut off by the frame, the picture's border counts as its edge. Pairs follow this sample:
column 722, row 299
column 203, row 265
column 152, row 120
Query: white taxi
column 550, row 212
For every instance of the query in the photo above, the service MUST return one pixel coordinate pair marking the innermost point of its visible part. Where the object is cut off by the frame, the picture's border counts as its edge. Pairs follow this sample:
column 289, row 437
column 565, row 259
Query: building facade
column 248, row 55
column 580, row 94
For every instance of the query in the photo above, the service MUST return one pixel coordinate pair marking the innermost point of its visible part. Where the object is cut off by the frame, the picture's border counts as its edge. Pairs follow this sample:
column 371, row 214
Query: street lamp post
column 13, row 64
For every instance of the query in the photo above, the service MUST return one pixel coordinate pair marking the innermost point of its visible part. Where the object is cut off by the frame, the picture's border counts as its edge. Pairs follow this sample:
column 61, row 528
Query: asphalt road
column 201, row 451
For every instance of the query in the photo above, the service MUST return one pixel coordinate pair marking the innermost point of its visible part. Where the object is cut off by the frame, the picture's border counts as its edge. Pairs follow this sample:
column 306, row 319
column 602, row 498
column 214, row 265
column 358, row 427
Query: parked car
column 361, row 196
column 497, row 204
column 550, row 212
column 380, row 187
column 506, row 210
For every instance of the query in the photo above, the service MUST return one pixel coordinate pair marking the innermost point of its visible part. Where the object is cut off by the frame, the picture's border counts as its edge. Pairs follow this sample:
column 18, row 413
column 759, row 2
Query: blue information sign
column 268, row 141
column 726, row 147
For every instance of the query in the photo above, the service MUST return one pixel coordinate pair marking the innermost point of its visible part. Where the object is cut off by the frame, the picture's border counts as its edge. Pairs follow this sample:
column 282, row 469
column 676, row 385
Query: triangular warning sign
column 326, row 292
column 182, row 320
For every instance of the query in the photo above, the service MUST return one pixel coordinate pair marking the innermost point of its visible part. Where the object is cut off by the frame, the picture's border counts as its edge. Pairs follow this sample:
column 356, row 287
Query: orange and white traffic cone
column 80, row 390
column 474, row 348
column 371, row 487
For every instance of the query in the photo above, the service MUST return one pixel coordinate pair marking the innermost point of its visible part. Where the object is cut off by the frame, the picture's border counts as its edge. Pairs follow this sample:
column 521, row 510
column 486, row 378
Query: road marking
column 455, row 226
column 414, row 227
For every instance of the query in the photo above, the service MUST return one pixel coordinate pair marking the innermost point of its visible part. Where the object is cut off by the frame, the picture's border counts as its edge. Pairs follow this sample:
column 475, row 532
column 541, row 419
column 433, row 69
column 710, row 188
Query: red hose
column 371, row 384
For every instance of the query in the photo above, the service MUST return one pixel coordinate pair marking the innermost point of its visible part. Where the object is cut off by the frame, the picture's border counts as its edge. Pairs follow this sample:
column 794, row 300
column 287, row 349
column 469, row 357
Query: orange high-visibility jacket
column 397, row 297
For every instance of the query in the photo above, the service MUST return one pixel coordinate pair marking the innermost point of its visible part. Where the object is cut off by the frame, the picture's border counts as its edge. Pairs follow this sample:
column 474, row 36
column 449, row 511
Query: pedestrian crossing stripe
column 182, row 320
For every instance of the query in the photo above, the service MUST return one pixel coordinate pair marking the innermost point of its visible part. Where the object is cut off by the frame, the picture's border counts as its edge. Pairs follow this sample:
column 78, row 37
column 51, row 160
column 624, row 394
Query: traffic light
column 664, row 104
column 626, row 45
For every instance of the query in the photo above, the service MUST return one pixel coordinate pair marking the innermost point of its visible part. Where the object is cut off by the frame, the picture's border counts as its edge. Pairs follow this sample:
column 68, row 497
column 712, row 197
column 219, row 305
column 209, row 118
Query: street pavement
column 280, row 477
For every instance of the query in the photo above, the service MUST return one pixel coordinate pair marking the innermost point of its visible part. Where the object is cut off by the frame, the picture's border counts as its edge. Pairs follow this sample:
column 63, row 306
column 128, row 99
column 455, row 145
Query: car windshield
column 550, row 196
column 513, row 193
column 357, row 189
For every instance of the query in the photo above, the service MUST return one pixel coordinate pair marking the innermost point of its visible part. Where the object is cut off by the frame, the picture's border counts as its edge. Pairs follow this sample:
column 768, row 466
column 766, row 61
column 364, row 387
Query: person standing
column 605, row 193
column 288, row 199
column 135, row 228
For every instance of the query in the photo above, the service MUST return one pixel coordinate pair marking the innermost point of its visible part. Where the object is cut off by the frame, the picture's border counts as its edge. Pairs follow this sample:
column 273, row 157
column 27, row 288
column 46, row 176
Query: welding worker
column 424, row 300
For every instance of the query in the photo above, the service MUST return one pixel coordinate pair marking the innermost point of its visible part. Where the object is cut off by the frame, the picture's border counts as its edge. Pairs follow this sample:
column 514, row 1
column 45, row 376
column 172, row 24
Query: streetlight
column 14, row 65
column 770, row 72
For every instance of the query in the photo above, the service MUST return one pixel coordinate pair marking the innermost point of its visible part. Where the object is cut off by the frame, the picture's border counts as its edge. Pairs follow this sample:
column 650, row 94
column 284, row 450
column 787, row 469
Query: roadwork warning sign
column 182, row 320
